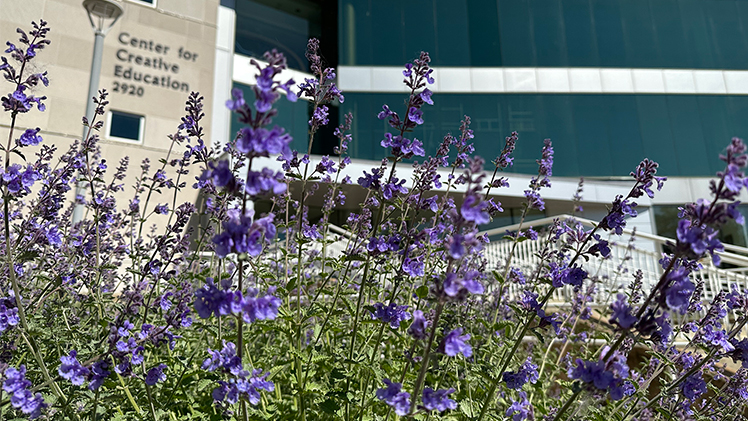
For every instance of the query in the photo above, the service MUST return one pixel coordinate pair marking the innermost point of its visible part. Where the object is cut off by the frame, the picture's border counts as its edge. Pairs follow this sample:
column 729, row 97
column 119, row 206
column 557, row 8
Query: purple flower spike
column 417, row 329
column 393, row 397
column 392, row 314
column 527, row 373
column 155, row 375
column 520, row 409
column 693, row 387
column 456, row 343
column 72, row 370
column 17, row 386
column 438, row 399
column 622, row 313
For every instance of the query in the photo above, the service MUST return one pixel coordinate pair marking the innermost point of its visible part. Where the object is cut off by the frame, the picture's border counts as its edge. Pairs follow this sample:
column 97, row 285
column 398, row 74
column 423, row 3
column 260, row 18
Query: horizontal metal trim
column 551, row 80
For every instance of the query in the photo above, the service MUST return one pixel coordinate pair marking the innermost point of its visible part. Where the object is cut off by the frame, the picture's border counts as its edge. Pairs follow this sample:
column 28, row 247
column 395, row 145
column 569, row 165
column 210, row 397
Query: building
column 609, row 81
column 153, row 56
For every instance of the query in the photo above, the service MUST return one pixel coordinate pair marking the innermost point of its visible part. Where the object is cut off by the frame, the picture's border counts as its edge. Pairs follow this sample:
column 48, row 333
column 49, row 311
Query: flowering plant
column 279, row 316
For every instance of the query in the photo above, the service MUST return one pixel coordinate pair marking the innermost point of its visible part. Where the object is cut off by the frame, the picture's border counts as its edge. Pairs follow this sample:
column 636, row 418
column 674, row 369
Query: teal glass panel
column 689, row 136
column 483, row 33
column 669, row 33
column 452, row 37
column 418, row 31
column 556, row 111
column 727, row 30
column 516, row 37
column 718, row 128
column 548, row 33
column 611, row 45
column 549, row 36
column 590, row 123
column 624, row 136
column 657, row 136
column 697, row 33
column 593, row 135
column 641, row 48
column 261, row 28
column 580, row 40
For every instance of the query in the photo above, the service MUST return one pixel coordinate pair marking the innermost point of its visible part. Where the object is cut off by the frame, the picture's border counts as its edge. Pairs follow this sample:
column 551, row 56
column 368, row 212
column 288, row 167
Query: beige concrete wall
column 179, row 38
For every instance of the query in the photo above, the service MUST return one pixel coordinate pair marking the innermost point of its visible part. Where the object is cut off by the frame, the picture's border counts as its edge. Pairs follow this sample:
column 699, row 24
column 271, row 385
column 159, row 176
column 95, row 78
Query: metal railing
column 618, row 269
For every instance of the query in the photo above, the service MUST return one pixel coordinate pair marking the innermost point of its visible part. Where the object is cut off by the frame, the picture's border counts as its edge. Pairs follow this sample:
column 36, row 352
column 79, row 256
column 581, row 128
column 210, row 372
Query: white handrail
column 727, row 257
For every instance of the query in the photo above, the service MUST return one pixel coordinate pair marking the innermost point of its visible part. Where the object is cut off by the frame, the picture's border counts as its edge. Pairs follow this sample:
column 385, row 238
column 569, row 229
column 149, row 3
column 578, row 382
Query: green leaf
column 422, row 292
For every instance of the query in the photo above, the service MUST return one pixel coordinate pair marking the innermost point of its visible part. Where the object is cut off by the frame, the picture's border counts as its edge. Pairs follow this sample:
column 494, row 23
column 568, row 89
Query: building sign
column 143, row 64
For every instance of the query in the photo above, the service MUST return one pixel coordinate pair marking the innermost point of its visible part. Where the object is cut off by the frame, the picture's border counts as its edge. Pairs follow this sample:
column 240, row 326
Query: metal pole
column 93, row 88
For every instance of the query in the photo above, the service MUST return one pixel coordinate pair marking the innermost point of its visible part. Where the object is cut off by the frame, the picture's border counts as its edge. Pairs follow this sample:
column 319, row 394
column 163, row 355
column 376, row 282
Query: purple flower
column 161, row 209
column 622, row 313
column 220, row 174
column 29, row 138
column 211, row 300
column 225, row 359
column 473, row 209
column 413, row 267
column 534, row 201
column 561, row 275
column 417, row 328
column 319, row 117
column 741, row 351
column 263, row 142
column 17, row 386
column 592, row 372
column 697, row 240
column 415, row 115
column 456, row 343
column 615, row 219
column 243, row 235
column 545, row 163
column 713, row 335
column 392, row 314
column 8, row 317
column 326, row 166
column 20, row 182
column 155, row 375
column 693, row 386
column 237, row 101
column 527, row 373
column 98, row 373
column 505, row 159
column 529, row 301
column 438, row 399
column 246, row 384
column 645, row 176
column 679, row 289
column 393, row 397
column 72, row 370
column 426, row 96
column 454, row 285
column 521, row 408
column 259, row 182
column 260, row 308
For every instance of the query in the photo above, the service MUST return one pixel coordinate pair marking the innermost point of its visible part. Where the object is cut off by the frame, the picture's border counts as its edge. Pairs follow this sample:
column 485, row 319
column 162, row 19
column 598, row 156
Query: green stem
column 426, row 355
column 568, row 403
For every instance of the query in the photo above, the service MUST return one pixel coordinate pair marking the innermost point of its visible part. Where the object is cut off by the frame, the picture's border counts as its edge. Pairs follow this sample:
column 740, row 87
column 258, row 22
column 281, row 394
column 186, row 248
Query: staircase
column 618, row 269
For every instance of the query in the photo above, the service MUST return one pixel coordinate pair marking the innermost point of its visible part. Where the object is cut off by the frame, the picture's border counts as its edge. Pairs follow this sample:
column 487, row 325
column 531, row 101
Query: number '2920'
column 128, row 89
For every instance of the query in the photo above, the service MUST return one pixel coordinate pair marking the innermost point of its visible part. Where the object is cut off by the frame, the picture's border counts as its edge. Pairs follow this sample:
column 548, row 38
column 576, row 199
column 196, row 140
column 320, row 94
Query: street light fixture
column 100, row 12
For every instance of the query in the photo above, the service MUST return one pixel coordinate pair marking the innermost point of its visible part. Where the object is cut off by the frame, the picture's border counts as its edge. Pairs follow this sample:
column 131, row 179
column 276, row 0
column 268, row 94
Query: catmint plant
column 226, row 309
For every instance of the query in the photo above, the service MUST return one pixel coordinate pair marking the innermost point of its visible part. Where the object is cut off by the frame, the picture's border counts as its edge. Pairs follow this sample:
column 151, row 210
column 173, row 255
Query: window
column 125, row 127
column 150, row 2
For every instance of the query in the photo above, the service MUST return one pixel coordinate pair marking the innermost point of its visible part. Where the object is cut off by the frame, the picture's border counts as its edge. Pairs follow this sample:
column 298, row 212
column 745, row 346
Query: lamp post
column 99, row 13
